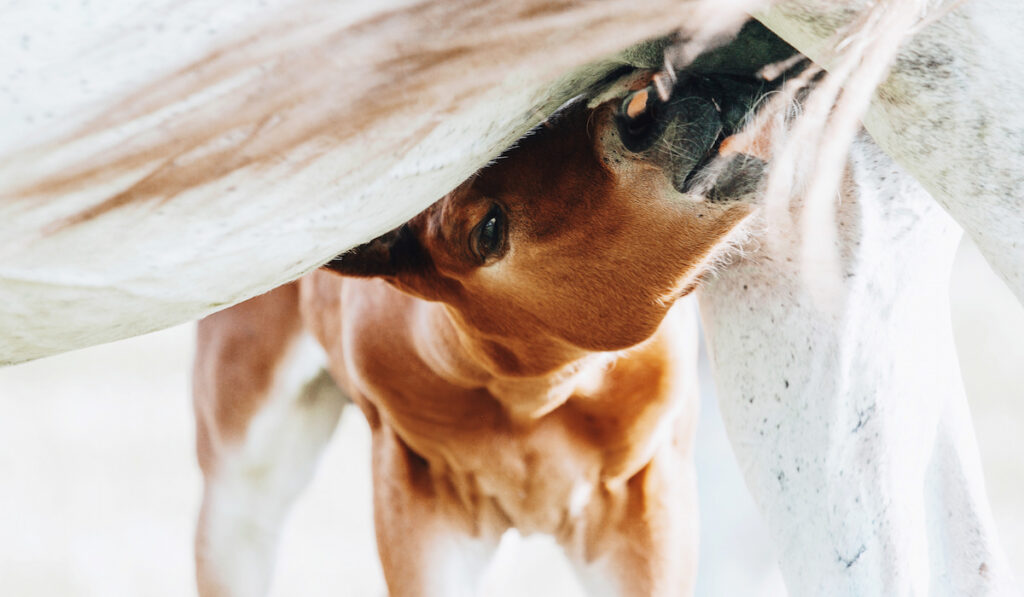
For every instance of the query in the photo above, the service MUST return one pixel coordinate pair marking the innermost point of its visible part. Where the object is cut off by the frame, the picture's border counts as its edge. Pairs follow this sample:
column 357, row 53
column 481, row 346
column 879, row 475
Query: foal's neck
column 531, row 373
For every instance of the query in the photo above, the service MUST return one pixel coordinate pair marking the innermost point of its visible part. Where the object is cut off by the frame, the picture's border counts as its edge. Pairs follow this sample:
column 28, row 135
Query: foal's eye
column 488, row 237
column 637, row 120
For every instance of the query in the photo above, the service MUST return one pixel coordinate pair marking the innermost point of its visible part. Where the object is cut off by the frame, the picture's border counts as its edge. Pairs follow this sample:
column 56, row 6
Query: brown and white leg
column 425, row 549
column 651, row 549
column 265, row 408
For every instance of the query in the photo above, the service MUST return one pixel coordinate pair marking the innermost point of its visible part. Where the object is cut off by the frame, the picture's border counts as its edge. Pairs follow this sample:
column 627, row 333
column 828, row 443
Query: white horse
column 848, row 417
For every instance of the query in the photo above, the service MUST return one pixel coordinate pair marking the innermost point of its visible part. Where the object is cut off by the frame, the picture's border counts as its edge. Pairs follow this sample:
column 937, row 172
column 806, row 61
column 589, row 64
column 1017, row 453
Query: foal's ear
column 386, row 256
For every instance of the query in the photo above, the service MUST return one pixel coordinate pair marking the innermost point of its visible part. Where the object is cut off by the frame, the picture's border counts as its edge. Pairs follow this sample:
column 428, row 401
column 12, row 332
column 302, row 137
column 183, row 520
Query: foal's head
column 585, row 231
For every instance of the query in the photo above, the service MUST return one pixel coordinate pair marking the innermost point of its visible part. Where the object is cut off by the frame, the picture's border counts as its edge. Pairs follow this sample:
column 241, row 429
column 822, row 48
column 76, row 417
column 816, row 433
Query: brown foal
column 516, row 353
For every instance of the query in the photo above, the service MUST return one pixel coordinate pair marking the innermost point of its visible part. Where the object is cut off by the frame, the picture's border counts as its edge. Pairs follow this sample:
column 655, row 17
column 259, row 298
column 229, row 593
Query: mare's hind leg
column 265, row 408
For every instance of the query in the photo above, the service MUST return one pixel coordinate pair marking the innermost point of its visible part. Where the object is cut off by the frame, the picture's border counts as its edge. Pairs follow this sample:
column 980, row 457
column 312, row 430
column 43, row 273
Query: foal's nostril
column 636, row 104
column 639, row 120
column 640, row 107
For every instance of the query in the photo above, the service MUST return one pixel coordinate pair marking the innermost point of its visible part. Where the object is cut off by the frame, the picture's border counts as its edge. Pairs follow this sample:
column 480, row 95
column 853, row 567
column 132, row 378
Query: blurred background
column 100, row 489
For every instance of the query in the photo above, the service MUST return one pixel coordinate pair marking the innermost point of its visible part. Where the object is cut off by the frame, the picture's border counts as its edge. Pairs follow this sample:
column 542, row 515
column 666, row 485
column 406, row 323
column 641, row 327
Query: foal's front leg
column 647, row 546
column 265, row 409
column 426, row 545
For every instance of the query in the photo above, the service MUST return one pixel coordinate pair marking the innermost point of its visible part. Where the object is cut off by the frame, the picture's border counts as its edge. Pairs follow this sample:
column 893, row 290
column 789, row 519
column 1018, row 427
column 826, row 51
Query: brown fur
column 495, row 390
column 240, row 334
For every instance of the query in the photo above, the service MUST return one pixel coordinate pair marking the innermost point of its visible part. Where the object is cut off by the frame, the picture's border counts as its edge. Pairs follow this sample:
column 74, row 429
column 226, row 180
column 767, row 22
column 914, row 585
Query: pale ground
column 100, row 488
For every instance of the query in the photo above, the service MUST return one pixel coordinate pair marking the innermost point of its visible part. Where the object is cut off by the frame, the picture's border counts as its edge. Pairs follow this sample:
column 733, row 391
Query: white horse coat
column 850, row 421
